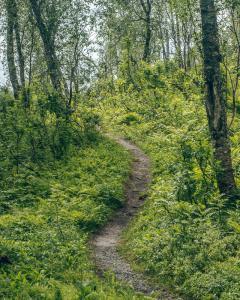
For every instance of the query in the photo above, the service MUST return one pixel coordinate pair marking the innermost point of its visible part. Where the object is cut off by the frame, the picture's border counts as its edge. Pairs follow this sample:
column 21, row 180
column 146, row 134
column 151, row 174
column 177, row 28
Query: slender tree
column 21, row 59
column 147, row 8
column 215, row 99
column 10, row 8
column 49, row 47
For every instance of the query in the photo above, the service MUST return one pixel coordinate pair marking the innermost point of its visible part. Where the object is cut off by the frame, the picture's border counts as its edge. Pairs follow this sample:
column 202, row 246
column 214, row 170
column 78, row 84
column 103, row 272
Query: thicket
column 185, row 236
column 60, row 181
column 31, row 137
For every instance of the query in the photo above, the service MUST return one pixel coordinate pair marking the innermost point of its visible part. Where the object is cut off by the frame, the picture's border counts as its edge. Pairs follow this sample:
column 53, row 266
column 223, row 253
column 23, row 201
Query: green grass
column 54, row 210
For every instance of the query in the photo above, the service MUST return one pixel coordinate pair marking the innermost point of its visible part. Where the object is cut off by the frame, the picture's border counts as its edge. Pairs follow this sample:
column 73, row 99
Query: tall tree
column 147, row 8
column 47, row 37
column 11, row 21
column 20, row 53
column 19, row 45
column 215, row 99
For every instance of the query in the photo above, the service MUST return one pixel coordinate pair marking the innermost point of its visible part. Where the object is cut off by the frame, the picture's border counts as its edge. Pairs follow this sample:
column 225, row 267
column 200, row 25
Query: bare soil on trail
column 105, row 242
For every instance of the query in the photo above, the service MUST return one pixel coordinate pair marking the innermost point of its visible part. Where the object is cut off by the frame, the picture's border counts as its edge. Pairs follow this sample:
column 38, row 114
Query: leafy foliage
column 184, row 237
column 45, row 243
column 60, row 181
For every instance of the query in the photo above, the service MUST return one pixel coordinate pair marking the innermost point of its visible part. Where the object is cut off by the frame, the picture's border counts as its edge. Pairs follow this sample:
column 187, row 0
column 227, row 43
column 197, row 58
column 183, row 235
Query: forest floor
column 105, row 243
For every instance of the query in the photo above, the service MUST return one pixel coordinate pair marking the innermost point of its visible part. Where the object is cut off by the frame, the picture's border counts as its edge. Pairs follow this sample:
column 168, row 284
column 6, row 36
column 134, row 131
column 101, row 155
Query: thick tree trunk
column 49, row 48
column 10, row 48
column 215, row 100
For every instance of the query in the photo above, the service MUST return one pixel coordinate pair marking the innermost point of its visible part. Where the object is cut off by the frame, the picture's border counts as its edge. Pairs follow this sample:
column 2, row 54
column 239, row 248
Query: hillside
column 119, row 149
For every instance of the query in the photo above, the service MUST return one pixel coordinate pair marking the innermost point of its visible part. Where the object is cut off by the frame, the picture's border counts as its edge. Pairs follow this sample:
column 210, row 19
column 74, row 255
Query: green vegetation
column 50, row 206
column 163, row 73
column 184, row 237
column 43, row 246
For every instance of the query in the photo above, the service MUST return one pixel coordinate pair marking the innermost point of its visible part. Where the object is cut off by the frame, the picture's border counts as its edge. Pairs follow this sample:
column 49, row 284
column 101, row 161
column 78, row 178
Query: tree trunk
column 10, row 48
column 49, row 48
column 215, row 100
column 20, row 55
column 179, row 43
column 148, row 11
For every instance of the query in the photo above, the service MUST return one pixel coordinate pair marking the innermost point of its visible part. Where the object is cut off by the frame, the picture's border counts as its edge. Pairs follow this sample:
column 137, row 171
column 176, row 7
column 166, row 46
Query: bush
column 52, row 210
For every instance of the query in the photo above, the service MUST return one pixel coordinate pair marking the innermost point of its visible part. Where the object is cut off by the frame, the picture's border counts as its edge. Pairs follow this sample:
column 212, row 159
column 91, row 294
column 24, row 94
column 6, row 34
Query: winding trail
column 106, row 242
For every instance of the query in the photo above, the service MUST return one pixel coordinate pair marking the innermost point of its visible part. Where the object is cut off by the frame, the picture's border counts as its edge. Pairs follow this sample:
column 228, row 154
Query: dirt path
column 105, row 243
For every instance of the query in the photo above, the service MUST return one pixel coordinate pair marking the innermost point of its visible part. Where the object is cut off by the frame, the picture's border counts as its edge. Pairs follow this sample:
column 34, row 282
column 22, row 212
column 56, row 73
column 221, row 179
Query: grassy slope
column 43, row 245
column 183, row 237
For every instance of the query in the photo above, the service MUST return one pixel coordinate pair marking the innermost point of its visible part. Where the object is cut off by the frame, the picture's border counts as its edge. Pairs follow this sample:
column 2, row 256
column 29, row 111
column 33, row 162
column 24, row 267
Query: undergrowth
column 184, row 237
column 61, row 181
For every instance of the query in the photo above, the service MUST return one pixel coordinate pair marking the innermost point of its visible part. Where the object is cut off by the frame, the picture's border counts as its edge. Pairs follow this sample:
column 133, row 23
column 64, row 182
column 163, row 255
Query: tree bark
column 49, row 48
column 147, row 8
column 21, row 58
column 10, row 48
column 215, row 100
